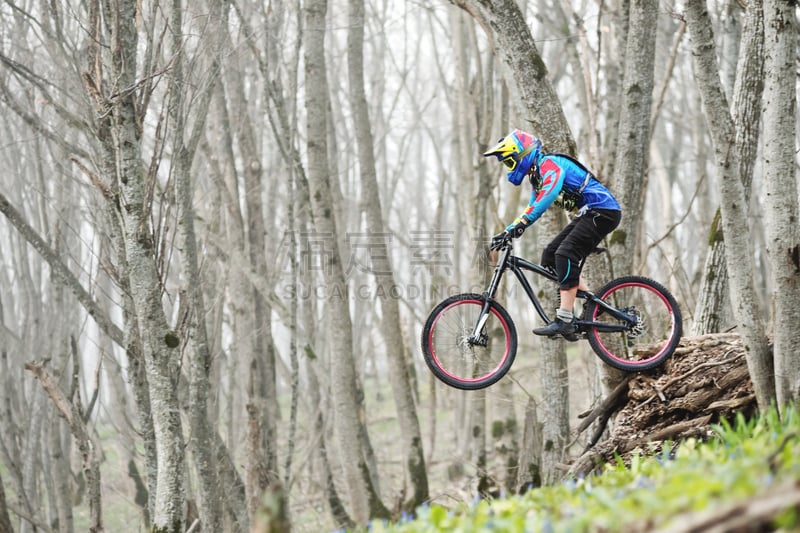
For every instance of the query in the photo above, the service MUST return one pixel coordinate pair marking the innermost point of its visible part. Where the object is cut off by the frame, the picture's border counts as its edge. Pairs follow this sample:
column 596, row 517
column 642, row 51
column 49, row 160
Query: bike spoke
column 454, row 356
column 651, row 332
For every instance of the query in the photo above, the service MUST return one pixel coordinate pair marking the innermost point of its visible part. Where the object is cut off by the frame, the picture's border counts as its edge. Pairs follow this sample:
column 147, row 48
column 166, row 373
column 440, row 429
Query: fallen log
column 704, row 381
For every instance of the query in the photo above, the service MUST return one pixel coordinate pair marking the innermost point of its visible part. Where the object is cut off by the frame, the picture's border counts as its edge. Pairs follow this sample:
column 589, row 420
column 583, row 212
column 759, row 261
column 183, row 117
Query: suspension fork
column 477, row 337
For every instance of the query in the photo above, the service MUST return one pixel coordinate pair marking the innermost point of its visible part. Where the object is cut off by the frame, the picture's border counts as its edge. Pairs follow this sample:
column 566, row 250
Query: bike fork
column 477, row 337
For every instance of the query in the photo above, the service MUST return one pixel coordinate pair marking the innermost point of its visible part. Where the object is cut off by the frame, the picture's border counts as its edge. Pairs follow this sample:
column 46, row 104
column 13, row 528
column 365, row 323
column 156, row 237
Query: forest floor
column 704, row 381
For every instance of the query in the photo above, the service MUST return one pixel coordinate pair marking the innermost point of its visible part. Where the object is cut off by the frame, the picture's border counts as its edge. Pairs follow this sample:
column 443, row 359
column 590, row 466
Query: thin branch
column 42, row 85
column 683, row 217
column 659, row 101
column 37, row 124
column 61, row 272
column 71, row 411
column 24, row 515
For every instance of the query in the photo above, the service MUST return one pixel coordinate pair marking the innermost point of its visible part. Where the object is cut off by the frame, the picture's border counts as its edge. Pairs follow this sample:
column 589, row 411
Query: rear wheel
column 460, row 361
column 647, row 342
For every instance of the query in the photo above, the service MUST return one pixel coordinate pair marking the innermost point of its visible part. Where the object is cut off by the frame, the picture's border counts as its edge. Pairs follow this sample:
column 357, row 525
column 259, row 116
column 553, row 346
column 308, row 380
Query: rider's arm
column 552, row 183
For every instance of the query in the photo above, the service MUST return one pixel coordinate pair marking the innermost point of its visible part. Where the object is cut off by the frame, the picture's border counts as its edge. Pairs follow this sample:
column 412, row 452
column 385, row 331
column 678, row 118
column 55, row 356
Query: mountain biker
column 560, row 180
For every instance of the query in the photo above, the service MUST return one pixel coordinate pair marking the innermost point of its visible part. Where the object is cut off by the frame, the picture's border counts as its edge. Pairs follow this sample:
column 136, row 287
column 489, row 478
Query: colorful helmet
column 517, row 151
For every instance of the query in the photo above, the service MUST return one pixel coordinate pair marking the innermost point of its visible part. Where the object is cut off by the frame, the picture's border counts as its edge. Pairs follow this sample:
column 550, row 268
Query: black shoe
column 568, row 330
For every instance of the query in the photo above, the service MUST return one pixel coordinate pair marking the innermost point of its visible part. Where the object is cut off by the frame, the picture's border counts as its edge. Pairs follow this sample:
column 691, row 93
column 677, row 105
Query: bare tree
column 712, row 312
column 633, row 135
column 389, row 323
column 631, row 152
column 186, row 141
column 118, row 132
column 780, row 179
column 505, row 25
column 363, row 497
column 739, row 258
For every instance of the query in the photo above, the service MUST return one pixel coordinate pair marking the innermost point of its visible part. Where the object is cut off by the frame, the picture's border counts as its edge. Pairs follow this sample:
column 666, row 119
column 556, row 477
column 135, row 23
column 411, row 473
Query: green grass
column 742, row 459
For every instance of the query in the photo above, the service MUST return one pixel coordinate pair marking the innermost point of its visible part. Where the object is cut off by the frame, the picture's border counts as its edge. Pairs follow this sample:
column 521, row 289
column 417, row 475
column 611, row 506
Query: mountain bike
column 470, row 341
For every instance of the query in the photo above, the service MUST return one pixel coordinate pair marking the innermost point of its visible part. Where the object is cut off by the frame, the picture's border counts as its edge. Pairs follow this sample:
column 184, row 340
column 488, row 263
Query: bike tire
column 460, row 364
column 656, row 334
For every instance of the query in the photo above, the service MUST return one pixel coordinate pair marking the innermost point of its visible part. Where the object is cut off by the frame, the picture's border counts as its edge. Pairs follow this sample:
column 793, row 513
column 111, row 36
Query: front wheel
column 460, row 360
column 652, row 335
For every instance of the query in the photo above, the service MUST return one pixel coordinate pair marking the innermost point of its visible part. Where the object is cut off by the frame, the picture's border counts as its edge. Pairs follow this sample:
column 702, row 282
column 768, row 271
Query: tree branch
column 60, row 271
column 71, row 411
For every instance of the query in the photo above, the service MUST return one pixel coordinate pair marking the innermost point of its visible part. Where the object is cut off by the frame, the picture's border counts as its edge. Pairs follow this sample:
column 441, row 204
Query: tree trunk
column 231, row 485
column 738, row 255
column 242, row 308
column 5, row 521
column 263, row 396
column 159, row 342
column 60, row 454
column 554, row 377
column 505, row 26
column 504, row 432
column 132, row 345
column 389, row 322
column 633, row 143
column 339, row 326
column 780, row 179
column 530, row 471
column 200, row 441
column 729, row 49
column 613, row 49
column 335, row 503
column 141, row 395
column 712, row 311
column 713, row 300
column 318, row 398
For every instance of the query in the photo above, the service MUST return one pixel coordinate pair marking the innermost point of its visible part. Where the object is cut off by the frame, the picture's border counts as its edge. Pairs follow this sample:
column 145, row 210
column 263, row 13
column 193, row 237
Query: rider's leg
column 549, row 252
column 564, row 312
column 564, row 324
column 568, row 265
column 569, row 250
column 568, row 298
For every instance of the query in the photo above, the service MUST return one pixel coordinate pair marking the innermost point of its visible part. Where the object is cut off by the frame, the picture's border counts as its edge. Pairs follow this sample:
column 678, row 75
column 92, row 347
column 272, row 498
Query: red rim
column 459, row 378
column 666, row 346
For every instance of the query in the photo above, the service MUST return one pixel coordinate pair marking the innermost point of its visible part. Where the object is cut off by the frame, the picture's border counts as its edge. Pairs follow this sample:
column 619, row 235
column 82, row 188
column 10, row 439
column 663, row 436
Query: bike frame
column 518, row 265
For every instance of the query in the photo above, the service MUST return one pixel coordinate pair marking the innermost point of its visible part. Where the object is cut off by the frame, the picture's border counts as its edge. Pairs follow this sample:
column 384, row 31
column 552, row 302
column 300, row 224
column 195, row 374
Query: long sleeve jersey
column 560, row 174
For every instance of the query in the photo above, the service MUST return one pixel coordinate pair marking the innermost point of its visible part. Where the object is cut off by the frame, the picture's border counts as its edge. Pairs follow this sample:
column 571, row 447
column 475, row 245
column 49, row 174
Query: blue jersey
column 561, row 175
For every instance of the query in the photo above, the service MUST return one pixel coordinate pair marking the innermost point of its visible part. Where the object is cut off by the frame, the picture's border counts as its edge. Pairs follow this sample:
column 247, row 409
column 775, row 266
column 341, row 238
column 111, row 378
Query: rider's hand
column 499, row 240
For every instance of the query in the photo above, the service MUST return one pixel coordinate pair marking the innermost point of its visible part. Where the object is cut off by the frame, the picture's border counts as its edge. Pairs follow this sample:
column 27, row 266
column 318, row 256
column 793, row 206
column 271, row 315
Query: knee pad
column 569, row 272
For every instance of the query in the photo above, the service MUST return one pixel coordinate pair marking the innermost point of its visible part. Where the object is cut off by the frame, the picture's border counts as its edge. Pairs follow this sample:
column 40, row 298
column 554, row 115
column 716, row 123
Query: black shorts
column 576, row 241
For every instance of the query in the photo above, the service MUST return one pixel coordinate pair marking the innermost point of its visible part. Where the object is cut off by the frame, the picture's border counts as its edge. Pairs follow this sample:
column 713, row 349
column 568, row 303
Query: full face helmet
column 517, row 151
